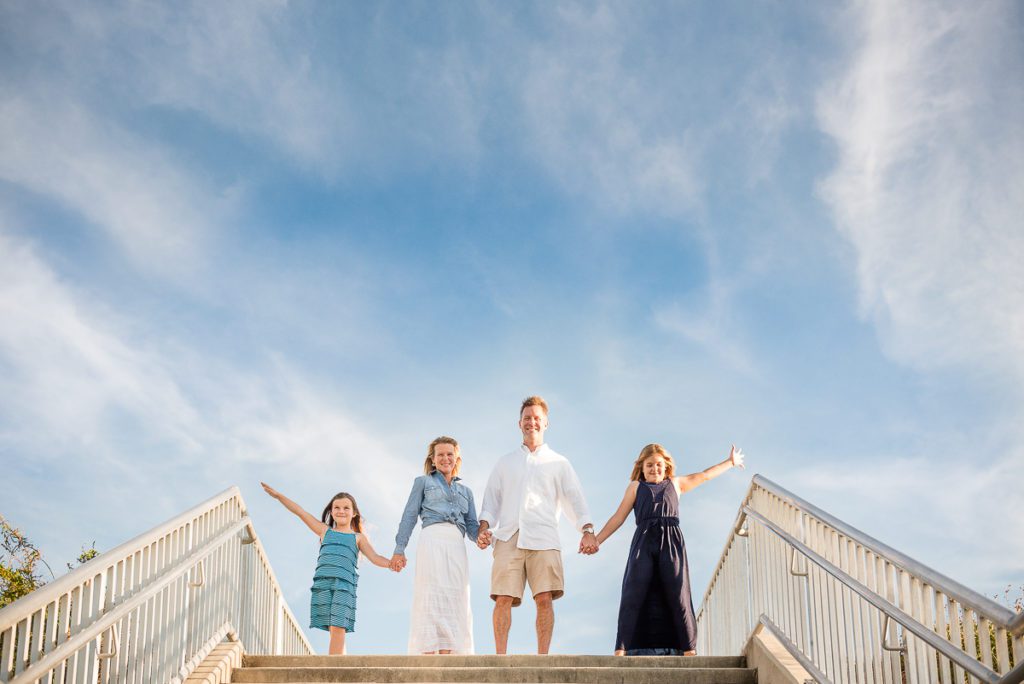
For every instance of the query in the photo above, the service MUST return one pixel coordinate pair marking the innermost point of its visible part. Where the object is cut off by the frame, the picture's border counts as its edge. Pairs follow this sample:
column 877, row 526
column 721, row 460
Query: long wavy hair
column 646, row 453
column 357, row 519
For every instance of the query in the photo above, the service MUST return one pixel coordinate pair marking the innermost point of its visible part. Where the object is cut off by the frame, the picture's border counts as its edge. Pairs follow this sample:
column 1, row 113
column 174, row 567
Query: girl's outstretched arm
column 366, row 548
column 312, row 523
column 620, row 515
column 685, row 483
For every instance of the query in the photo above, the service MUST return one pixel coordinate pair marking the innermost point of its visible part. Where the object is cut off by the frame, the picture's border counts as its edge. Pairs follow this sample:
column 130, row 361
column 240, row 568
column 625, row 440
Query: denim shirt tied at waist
column 435, row 501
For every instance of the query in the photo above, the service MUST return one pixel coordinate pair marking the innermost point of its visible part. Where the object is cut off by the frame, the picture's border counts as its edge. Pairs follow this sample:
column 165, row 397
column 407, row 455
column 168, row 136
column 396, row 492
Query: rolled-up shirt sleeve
column 573, row 502
column 492, row 499
column 472, row 523
column 409, row 516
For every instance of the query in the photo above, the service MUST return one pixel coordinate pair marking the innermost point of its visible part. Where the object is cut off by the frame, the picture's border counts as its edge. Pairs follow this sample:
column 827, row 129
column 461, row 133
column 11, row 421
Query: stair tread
column 682, row 662
column 494, row 669
column 518, row 675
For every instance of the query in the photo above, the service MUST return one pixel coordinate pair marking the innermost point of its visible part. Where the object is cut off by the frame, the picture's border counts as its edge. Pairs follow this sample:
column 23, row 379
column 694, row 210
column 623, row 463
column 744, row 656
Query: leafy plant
column 20, row 563
column 87, row 555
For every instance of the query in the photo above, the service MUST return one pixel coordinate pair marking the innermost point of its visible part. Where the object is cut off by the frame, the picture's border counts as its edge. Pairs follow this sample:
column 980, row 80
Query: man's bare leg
column 545, row 621
column 502, row 623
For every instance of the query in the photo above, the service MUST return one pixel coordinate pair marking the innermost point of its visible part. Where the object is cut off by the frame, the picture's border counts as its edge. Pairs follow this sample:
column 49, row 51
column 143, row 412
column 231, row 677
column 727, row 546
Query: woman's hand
column 397, row 562
column 270, row 490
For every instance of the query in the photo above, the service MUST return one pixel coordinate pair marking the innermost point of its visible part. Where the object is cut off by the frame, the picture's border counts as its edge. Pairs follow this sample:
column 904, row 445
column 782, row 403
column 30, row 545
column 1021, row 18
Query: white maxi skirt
column 441, row 619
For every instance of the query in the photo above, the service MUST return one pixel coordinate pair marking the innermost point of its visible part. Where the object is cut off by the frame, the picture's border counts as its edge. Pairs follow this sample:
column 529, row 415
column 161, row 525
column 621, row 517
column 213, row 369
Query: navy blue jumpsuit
column 656, row 612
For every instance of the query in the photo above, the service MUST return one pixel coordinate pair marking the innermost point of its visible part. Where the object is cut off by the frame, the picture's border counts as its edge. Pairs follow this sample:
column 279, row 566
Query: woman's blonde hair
column 428, row 465
column 646, row 453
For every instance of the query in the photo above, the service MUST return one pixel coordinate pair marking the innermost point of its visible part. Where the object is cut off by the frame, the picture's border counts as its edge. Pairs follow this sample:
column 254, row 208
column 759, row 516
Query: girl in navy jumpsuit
column 656, row 612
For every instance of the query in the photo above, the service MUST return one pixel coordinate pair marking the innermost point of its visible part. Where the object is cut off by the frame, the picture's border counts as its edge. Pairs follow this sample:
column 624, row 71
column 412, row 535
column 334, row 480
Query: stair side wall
column 773, row 662
column 217, row 667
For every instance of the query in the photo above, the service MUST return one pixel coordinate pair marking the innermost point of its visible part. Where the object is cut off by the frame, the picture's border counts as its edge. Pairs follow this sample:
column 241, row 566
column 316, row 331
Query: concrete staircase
column 522, row 669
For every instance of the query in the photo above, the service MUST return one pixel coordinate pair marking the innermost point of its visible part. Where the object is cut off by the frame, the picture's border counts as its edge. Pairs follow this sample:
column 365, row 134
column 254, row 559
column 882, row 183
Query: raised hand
column 736, row 457
column 270, row 490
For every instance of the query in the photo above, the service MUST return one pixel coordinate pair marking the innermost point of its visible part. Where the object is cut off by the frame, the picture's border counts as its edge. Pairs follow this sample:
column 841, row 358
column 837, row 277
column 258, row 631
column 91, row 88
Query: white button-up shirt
column 526, row 493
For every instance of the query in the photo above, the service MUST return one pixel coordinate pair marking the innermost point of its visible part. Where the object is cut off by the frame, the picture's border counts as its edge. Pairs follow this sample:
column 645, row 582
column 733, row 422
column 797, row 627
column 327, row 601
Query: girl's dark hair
column 357, row 519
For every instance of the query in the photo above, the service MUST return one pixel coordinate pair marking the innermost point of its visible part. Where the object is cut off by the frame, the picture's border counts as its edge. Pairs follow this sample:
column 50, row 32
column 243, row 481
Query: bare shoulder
column 683, row 483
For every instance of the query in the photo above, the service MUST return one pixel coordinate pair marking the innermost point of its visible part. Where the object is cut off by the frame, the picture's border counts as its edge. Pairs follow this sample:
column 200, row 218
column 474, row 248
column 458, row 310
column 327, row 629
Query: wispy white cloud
column 132, row 189
column 245, row 66
column 929, row 186
column 67, row 367
column 929, row 190
column 707, row 320
column 592, row 124
column 82, row 377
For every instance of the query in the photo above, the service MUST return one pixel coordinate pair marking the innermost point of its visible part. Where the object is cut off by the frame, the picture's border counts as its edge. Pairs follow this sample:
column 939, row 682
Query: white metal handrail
column 842, row 598
column 148, row 610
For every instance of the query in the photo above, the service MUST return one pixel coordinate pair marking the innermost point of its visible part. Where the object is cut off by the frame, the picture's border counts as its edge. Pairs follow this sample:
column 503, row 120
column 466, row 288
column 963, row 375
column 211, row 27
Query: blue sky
column 294, row 242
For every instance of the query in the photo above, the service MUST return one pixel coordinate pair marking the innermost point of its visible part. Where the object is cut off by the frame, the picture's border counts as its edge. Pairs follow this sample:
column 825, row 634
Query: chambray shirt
column 435, row 501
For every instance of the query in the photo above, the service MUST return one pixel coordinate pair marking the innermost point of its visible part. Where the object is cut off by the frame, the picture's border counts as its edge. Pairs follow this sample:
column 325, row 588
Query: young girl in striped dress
column 333, row 604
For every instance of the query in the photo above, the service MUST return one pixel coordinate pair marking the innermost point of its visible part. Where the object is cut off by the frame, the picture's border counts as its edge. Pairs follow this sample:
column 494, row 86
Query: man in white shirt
column 525, row 494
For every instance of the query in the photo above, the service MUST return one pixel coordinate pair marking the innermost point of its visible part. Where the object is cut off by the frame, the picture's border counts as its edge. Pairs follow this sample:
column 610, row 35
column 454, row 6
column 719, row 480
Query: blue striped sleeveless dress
column 333, row 603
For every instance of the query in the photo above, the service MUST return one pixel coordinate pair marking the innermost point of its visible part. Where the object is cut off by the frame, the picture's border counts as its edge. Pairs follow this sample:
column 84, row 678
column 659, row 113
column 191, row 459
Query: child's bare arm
column 312, row 523
column 620, row 515
column 687, row 482
column 367, row 550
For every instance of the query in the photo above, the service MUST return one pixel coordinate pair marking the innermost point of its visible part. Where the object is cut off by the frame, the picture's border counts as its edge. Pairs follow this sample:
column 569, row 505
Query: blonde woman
column 441, row 620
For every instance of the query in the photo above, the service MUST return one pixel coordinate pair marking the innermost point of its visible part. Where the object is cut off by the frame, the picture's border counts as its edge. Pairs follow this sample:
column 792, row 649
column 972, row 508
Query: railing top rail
column 1002, row 615
column 26, row 605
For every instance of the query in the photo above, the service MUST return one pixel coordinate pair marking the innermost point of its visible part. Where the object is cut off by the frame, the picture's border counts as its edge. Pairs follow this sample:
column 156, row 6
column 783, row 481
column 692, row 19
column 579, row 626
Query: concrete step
column 494, row 661
column 519, row 669
column 493, row 675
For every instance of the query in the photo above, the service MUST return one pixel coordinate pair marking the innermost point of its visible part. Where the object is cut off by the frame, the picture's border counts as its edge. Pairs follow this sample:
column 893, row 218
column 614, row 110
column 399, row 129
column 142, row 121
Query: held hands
column 588, row 544
column 397, row 562
column 736, row 457
column 483, row 538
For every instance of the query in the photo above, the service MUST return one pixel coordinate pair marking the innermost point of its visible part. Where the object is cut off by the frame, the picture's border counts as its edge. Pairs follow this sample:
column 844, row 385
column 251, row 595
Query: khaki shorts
column 513, row 567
